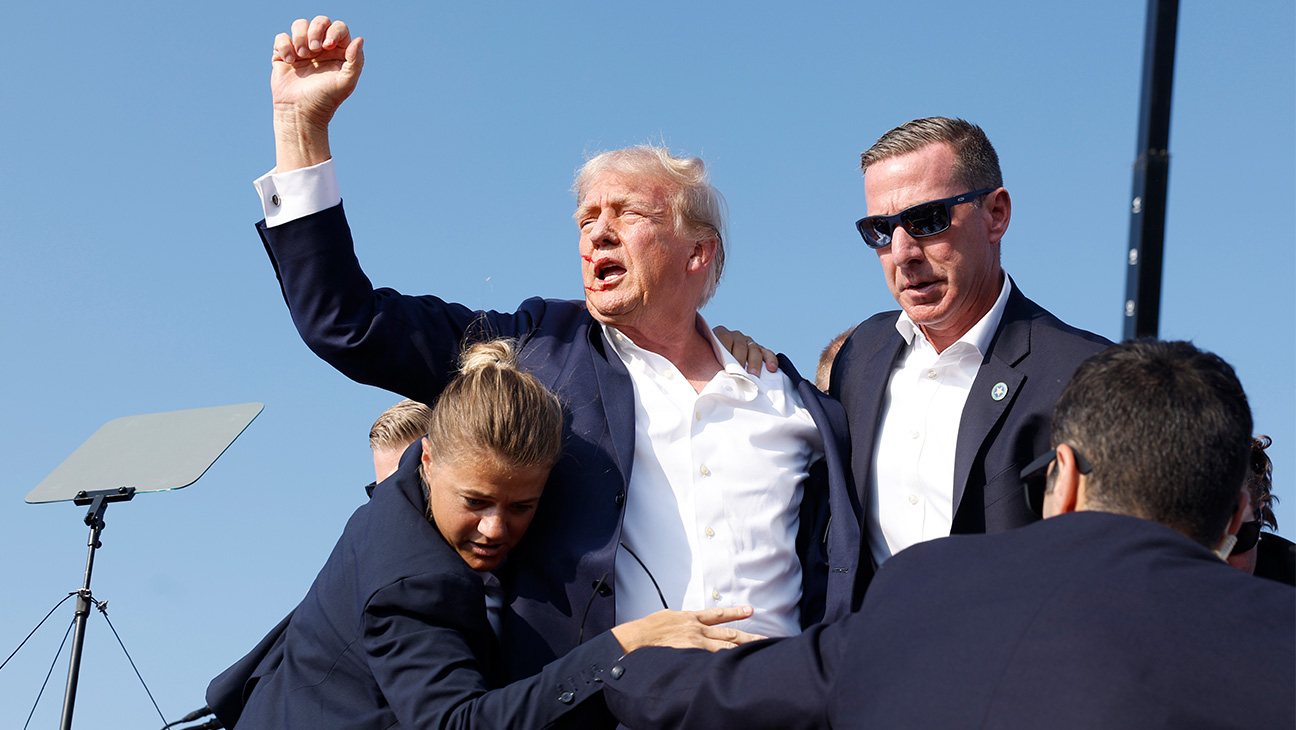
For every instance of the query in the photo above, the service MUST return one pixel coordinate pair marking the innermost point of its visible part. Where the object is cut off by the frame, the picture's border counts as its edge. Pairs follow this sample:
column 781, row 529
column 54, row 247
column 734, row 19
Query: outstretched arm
column 783, row 684
column 686, row 630
column 314, row 68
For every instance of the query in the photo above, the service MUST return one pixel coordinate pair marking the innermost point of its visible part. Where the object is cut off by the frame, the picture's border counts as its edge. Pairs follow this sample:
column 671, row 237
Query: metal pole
column 94, row 518
column 1151, row 173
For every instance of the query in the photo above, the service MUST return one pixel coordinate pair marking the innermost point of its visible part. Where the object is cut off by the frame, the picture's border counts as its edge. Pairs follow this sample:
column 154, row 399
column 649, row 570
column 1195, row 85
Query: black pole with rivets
column 1151, row 173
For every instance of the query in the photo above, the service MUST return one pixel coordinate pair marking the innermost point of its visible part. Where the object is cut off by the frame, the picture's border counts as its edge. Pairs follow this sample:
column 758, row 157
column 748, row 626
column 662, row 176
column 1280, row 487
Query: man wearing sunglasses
column 949, row 397
column 1116, row 611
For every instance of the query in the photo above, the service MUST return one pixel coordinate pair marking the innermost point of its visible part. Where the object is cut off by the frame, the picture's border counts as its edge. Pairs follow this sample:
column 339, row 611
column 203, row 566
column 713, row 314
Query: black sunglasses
column 924, row 219
column 1247, row 537
column 1034, row 481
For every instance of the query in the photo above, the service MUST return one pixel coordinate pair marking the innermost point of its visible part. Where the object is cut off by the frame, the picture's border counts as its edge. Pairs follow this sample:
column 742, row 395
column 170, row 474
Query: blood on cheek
column 589, row 260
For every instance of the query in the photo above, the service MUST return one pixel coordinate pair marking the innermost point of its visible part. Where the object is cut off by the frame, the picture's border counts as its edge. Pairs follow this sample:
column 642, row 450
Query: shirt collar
column 630, row 354
column 978, row 337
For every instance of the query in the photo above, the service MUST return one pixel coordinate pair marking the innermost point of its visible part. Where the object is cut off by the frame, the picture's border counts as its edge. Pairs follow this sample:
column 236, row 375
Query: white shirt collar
column 981, row 334
column 635, row 356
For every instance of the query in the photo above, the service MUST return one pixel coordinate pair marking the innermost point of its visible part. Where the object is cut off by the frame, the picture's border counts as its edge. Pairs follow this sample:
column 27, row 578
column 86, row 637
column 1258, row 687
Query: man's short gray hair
column 698, row 208
column 977, row 165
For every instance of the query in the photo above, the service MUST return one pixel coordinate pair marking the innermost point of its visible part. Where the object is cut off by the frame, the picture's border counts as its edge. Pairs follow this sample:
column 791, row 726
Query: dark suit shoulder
column 1047, row 325
column 871, row 348
column 1082, row 620
column 881, row 324
column 1077, row 549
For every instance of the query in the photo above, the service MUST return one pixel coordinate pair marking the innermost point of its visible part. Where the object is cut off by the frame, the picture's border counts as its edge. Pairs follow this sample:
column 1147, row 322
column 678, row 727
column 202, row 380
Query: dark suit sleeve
column 782, row 684
column 415, row 640
column 405, row 344
column 828, row 537
column 228, row 692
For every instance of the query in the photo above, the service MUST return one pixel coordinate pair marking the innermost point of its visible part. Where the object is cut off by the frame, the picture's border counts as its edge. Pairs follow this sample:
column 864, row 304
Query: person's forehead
column 481, row 477
column 619, row 188
column 897, row 182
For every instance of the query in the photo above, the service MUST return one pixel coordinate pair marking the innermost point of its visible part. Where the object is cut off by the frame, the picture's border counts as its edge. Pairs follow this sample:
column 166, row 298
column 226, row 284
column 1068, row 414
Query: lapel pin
column 999, row 391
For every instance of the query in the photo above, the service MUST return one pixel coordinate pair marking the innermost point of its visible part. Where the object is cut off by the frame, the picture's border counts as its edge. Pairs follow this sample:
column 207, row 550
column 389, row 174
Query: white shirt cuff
column 287, row 196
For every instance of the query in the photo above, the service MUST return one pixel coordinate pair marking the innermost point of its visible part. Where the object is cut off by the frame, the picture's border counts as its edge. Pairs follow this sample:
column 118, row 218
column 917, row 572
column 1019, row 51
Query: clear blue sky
column 135, row 283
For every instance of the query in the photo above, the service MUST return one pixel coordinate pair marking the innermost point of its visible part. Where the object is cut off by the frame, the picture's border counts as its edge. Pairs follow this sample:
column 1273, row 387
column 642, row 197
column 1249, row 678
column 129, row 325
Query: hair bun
column 494, row 408
column 495, row 353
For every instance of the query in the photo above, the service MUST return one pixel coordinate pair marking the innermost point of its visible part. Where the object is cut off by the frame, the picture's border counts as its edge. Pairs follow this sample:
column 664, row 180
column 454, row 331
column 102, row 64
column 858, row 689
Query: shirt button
column 670, row 374
column 274, row 200
column 914, row 434
column 931, row 374
column 705, row 471
column 697, row 415
column 715, row 595
column 710, row 532
column 913, row 499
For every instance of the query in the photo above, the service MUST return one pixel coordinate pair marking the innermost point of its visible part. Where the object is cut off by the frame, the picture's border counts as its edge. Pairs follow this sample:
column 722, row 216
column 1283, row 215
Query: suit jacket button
column 620, row 498
column 566, row 698
column 617, row 671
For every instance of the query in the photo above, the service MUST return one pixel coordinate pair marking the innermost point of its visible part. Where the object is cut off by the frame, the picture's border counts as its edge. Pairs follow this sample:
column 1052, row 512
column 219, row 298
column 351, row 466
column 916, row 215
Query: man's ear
column 703, row 254
column 1067, row 494
column 998, row 208
column 1240, row 514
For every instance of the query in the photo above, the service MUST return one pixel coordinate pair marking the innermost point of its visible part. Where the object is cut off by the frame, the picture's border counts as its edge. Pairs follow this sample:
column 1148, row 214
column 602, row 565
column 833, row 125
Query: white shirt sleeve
column 295, row 194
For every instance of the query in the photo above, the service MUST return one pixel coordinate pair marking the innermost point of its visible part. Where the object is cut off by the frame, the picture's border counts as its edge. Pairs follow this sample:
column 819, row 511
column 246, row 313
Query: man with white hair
column 686, row 482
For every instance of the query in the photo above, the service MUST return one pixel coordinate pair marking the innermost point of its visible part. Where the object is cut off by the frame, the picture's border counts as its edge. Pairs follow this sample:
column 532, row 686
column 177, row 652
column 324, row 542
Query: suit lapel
column 863, row 388
column 616, row 393
column 993, row 391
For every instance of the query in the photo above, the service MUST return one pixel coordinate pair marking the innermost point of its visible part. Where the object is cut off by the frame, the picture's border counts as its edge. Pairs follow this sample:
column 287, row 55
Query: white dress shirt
column 715, row 490
column 911, row 486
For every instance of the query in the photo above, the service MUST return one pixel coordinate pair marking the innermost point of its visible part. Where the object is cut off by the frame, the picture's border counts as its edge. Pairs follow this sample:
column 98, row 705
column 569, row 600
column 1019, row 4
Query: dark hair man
column 948, row 398
column 1116, row 611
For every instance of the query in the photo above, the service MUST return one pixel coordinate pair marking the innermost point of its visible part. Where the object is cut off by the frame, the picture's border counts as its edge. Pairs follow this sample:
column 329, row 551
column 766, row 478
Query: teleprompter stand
column 128, row 456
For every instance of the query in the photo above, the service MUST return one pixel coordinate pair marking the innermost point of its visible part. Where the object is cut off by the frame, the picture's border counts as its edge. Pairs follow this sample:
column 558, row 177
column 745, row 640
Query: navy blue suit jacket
column 1086, row 620
column 393, row 633
column 561, row 581
column 1033, row 354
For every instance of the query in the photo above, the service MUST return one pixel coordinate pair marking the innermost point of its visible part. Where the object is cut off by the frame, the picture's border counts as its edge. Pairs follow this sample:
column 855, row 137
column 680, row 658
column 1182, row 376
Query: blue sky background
column 134, row 282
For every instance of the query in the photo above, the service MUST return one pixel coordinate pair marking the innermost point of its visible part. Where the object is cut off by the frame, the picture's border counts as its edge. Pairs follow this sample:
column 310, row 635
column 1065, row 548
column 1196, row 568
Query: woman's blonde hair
column 494, row 407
